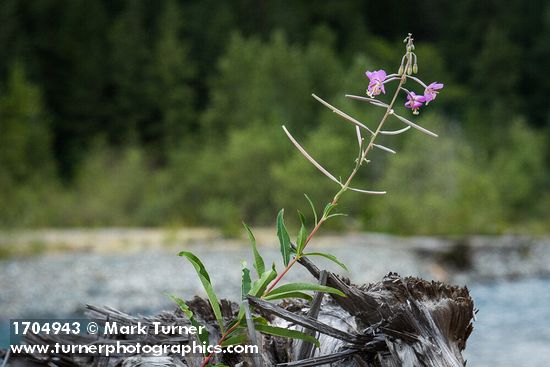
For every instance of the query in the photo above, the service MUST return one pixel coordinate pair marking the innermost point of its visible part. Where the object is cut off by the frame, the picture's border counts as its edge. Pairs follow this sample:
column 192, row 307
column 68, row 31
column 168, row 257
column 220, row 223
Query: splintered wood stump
column 395, row 322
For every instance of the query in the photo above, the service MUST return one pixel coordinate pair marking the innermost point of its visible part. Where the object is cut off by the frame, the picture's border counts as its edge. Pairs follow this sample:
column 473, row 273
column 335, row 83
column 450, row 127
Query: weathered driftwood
column 395, row 322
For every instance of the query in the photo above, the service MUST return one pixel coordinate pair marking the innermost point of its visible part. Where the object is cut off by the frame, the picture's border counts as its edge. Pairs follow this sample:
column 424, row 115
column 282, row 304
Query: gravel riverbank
column 137, row 278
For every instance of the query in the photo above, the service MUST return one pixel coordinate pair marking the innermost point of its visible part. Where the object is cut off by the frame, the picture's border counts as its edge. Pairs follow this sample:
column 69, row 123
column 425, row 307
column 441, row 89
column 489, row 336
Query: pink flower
column 376, row 85
column 431, row 91
column 414, row 102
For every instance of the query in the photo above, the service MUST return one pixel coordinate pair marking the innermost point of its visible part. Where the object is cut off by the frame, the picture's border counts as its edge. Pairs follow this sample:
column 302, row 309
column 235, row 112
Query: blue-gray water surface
column 512, row 326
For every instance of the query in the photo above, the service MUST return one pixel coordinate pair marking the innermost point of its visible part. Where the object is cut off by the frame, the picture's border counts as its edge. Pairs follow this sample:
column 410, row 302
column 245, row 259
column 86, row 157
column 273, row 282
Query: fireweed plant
column 266, row 284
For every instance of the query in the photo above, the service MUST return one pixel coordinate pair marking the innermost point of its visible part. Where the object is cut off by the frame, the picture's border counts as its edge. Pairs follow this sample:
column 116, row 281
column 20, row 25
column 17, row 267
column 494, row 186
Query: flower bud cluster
column 409, row 66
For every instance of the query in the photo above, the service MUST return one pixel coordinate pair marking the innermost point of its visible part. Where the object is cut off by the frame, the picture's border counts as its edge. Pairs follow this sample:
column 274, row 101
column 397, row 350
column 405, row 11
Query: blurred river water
column 508, row 279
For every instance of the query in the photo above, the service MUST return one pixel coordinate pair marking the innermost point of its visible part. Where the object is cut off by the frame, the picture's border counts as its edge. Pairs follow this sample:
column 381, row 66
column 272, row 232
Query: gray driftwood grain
column 398, row 321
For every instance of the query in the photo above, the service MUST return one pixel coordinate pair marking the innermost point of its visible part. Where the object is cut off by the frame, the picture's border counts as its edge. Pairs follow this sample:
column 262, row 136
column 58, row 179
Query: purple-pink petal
column 431, row 91
column 411, row 96
column 377, row 75
column 413, row 104
column 376, row 82
column 414, row 101
column 381, row 75
column 435, row 86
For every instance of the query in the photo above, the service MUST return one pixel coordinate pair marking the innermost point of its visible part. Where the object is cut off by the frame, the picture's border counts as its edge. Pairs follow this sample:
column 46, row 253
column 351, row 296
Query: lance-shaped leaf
column 197, row 264
column 300, row 287
column 309, row 158
column 312, row 208
column 359, row 137
column 394, row 132
column 205, row 280
column 302, row 217
column 328, row 256
column 246, row 283
column 285, row 295
column 284, row 238
column 417, row 127
column 302, row 235
column 384, row 148
column 337, row 215
column 259, row 286
column 258, row 260
column 323, row 170
column 369, row 100
column 343, row 114
column 240, row 338
column 328, row 209
column 202, row 331
column 287, row 333
column 240, row 319
column 367, row 191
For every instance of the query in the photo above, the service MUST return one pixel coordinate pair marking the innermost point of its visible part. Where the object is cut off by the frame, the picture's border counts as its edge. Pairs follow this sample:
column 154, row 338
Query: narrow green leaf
column 259, row 286
column 199, row 266
column 289, row 295
column 241, row 320
column 260, row 320
column 258, row 260
column 302, row 217
column 287, row 333
column 246, row 283
column 234, row 340
column 203, row 334
column 293, row 287
column 213, row 299
column 205, row 280
column 312, row 208
column 301, row 240
column 337, row 215
column 328, row 256
column 284, row 238
column 183, row 306
column 328, row 209
column 238, row 319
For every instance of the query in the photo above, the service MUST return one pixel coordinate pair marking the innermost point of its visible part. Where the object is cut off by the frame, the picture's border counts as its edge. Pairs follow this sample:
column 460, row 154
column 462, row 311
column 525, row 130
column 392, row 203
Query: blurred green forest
column 166, row 113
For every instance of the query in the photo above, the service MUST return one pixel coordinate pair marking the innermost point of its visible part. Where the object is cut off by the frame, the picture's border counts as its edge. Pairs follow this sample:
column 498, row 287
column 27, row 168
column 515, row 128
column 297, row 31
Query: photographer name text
column 156, row 328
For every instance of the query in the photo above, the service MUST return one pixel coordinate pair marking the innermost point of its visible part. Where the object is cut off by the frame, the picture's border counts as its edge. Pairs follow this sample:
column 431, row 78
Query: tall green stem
column 360, row 159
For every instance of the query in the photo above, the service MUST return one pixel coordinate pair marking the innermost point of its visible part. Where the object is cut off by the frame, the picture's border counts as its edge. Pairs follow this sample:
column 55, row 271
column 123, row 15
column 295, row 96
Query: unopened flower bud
column 400, row 71
column 415, row 68
column 409, row 70
column 412, row 47
column 409, row 48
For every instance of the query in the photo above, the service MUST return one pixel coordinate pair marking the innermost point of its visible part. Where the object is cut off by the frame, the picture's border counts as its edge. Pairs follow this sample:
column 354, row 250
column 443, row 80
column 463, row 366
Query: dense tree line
column 140, row 112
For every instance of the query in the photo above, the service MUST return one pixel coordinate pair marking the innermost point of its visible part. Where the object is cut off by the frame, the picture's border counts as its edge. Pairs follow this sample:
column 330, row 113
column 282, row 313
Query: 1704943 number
column 35, row 327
